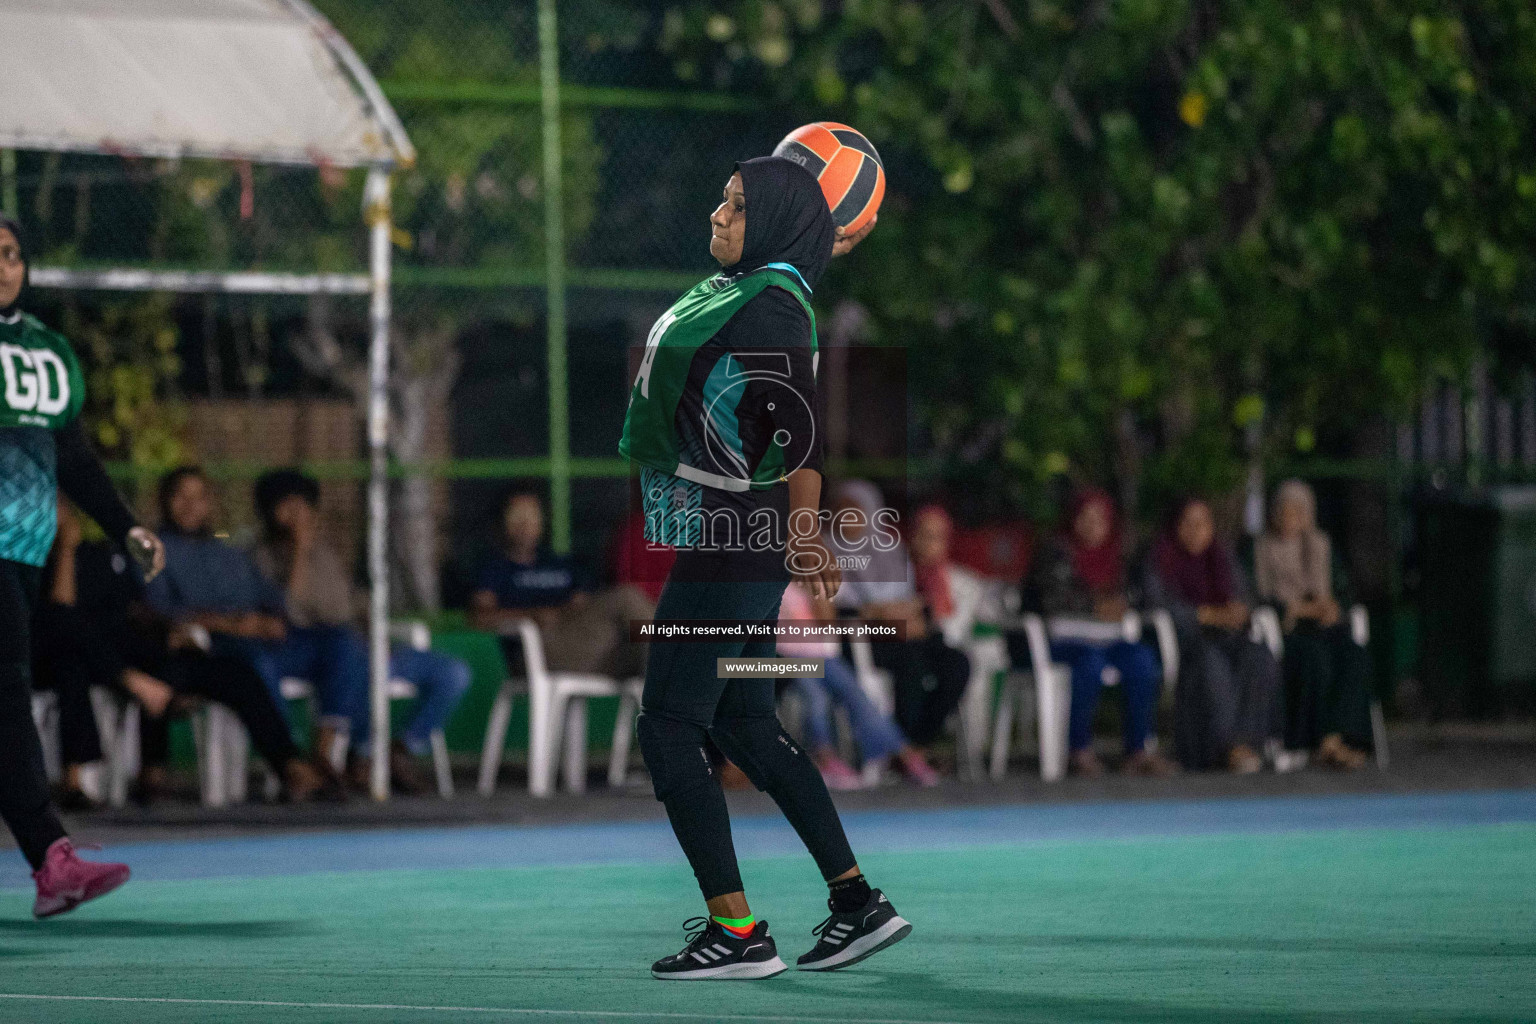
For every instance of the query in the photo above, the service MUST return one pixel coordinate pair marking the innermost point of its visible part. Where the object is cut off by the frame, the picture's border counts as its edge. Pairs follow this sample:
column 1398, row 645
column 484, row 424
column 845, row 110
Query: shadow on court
column 87, row 928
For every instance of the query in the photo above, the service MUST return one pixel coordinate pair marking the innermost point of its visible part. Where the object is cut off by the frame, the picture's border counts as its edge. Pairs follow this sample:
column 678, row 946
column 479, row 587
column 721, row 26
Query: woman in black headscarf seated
column 722, row 425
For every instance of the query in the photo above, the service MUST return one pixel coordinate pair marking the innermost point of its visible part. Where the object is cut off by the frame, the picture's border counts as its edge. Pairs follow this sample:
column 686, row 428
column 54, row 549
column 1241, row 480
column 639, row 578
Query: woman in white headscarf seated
column 1327, row 687
column 879, row 583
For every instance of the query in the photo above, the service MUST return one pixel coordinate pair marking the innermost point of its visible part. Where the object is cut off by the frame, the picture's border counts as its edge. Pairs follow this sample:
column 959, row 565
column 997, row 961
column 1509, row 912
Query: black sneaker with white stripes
column 714, row 954
column 847, row 938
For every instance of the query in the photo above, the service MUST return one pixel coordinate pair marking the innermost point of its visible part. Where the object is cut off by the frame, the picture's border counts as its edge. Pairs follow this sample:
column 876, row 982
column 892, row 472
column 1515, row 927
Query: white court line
column 509, row 1010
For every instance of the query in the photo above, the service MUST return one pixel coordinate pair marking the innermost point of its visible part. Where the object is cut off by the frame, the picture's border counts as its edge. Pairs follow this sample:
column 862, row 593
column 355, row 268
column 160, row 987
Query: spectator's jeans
column 1140, row 680
column 440, row 682
column 875, row 735
column 333, row 658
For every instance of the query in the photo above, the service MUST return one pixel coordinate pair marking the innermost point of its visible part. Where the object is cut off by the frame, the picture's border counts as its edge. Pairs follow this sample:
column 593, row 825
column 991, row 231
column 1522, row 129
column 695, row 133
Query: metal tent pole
column 554, row 261
column 376, row 211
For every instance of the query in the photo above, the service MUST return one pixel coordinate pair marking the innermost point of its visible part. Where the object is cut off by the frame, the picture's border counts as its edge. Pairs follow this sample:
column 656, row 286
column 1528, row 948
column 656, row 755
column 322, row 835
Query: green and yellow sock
column 740, row 927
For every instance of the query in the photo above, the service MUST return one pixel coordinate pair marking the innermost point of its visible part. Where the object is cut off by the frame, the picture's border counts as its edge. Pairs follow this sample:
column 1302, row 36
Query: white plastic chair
column 557, row 712
column 976, row 601
column 973, row 720
column 623, row 732
column 223, row 754
column 1050, row 683
column 118, row 727
column 1161, row 621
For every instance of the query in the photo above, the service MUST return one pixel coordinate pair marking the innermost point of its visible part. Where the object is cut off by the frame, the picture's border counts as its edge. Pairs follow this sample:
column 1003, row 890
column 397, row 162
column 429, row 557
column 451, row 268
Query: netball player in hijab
column 42, row 451
column 722, row 424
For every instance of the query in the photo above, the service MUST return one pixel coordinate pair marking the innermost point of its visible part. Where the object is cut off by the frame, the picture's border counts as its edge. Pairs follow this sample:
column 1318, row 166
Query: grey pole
column 377, row 213
column 554, row 264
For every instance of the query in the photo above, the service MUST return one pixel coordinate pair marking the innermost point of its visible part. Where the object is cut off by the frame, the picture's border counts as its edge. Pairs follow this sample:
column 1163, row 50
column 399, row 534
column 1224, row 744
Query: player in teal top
column 42, row 451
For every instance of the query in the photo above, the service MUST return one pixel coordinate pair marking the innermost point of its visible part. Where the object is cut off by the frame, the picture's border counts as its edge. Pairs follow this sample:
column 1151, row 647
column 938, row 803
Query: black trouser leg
column 688, row 786
column 930, row 679
column 1306, row 670
column 1347, row 703
column 747, row 730
column 676, row 710
column 79, row 741
column 233, row 682
column 680, row 710
column 61, row 662
column 25, row 805
column 155, row 741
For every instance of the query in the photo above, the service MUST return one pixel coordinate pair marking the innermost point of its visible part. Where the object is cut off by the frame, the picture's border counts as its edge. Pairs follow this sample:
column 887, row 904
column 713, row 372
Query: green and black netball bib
column 650, row 432
column 42, row 390
column 43, row 386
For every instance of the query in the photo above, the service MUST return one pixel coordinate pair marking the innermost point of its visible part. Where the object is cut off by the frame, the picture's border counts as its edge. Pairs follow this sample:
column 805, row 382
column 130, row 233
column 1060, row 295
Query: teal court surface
column 1344, row 909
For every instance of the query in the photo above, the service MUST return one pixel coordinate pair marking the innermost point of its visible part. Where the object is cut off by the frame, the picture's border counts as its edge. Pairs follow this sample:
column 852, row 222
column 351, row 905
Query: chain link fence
column 244, row 382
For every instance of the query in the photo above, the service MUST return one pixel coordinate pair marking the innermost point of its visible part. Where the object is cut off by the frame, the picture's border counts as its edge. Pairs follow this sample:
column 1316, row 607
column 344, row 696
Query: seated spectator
column 582, row 632
column 320, row 596
column 954, row 595
column 210, row 583
column 876, row 736
column 1079, row 585
column 879, row 583
column 1227, row 706
column 101, row 633
column 1327, row 687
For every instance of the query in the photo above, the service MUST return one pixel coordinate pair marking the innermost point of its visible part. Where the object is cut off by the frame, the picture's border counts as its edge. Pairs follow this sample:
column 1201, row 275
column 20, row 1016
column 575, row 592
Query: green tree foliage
column 475, row 198
column 130, row 350
column 1119, row 233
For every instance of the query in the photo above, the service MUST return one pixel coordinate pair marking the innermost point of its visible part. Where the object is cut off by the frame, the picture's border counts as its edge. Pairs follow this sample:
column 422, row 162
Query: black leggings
column 686, row 704
column 232, row 681
column 25, row 804
column 69, row 663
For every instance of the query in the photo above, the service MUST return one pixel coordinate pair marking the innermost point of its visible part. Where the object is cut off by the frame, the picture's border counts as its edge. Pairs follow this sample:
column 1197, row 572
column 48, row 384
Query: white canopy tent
column 265, row 81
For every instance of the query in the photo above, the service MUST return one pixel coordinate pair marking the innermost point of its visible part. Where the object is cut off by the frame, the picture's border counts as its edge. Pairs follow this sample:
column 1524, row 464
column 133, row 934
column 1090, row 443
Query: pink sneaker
column 838, row 776
column 918, row 770
column 65, row 881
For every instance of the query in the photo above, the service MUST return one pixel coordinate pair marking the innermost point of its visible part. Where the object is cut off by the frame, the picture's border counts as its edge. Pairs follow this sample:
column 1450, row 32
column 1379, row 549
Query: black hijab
column 787, row 218
column 15, row 229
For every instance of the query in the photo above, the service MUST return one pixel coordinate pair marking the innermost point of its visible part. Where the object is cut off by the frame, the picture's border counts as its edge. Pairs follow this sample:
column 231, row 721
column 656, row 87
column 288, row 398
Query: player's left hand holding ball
column 845, row 241
column 146, row 549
